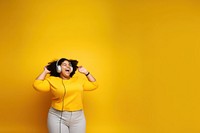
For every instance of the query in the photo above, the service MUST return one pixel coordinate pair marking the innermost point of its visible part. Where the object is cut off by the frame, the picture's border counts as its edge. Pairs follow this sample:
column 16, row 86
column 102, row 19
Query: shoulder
column 52, row 78
column 78, row 77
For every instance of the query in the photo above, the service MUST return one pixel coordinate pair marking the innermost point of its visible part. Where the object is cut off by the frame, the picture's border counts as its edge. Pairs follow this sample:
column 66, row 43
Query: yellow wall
column 144, row 54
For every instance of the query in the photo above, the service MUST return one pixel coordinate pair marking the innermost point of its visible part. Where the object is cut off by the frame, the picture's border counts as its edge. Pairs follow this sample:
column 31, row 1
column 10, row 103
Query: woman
column 66, row 112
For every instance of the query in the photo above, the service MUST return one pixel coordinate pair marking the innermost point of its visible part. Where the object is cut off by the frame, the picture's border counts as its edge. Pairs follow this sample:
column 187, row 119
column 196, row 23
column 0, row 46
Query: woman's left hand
column 82, row 70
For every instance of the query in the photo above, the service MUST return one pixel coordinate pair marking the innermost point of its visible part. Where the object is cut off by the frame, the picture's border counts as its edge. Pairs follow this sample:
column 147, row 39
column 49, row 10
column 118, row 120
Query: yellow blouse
column 67, row 94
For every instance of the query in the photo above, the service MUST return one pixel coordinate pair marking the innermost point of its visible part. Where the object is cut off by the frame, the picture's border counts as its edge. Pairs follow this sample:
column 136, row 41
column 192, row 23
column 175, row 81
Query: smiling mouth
column 67, row 70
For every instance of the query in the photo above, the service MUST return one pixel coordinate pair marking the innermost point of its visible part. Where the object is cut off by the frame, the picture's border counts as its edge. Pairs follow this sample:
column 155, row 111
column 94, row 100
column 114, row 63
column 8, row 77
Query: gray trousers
column 66, row 122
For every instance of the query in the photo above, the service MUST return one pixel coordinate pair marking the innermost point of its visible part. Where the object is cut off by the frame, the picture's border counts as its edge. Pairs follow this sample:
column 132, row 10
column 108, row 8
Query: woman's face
column 66, row 68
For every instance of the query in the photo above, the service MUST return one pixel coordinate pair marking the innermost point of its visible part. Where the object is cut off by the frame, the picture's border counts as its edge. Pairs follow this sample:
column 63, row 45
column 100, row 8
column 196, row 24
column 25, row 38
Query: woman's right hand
column 46, row 70
column 43, row 74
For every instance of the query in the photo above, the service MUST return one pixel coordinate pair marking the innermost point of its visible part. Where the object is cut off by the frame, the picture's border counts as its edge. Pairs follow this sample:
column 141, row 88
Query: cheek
column 63, row 68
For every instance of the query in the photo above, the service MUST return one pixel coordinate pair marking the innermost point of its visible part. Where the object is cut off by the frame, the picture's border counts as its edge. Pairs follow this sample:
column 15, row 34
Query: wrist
column 45, row 72
column 87, row 73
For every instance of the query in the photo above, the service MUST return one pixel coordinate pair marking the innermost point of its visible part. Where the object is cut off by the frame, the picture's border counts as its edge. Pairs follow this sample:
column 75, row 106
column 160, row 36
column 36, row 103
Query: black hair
column 52, row 66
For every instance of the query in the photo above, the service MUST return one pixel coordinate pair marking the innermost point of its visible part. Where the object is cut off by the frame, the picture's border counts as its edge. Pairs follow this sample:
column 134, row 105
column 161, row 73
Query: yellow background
column 144, row 54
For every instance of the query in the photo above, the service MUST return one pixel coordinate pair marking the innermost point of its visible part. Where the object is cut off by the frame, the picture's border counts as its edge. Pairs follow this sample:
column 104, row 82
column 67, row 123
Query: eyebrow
column 65, row 63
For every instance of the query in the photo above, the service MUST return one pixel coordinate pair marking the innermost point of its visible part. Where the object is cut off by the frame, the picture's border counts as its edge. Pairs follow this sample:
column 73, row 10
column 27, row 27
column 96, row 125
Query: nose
column 68, row 65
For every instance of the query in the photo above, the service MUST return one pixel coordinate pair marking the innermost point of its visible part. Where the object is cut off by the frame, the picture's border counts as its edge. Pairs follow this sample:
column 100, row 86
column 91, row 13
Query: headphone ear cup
column 58, row 69
column 71, row 70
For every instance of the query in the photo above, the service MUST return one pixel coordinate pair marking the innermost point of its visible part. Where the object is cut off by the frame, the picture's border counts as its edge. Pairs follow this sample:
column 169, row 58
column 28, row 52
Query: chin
column 67, row 75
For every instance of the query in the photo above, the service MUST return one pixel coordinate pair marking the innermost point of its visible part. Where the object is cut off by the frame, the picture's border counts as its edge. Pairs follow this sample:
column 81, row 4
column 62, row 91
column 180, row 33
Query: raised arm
column 89, row 76
column 40, row 84
column 43, row 74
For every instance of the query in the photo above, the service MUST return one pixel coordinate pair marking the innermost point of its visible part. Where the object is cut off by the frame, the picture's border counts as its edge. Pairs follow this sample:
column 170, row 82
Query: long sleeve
column 41, row 85
column 88, row 86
